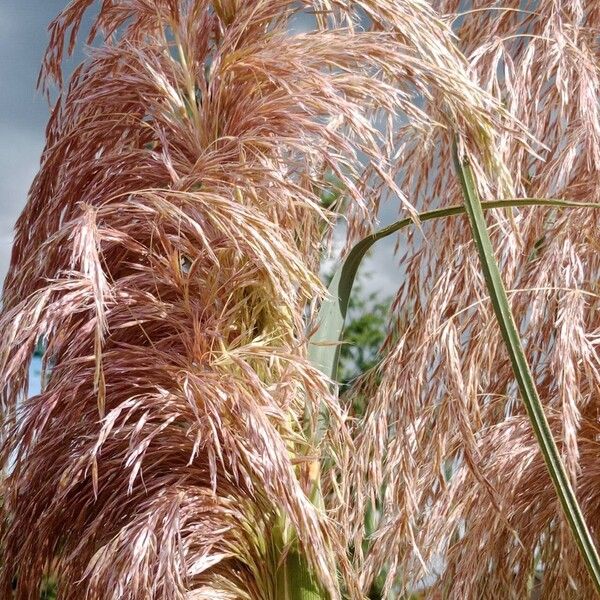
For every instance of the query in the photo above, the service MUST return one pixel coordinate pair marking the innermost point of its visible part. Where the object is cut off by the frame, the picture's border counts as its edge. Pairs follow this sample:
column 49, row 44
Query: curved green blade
column 474, row 208
column 324, row 346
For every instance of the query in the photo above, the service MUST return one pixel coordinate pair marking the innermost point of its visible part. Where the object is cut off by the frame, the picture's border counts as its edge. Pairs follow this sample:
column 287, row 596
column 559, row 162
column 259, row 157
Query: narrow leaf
column 324, row 345
column 522, row 372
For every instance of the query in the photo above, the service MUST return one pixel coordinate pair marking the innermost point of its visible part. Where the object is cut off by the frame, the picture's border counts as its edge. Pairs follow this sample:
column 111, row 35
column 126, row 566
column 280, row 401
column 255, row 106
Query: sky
column 24, row 112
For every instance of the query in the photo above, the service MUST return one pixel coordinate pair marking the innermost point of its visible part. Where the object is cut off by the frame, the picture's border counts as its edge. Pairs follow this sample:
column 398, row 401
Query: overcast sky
column 23, row 116
column 23, row 112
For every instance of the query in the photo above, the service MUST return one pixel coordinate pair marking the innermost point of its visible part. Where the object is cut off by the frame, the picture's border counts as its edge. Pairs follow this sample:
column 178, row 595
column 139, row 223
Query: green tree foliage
column 364, row 333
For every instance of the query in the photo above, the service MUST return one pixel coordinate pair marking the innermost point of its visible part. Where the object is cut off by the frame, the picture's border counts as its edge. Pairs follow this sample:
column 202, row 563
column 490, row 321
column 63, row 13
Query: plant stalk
column 300, row 584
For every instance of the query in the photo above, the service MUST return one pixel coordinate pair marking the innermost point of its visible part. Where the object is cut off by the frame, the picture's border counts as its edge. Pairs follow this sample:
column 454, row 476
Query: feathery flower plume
column 446, row 448
column 167, row 255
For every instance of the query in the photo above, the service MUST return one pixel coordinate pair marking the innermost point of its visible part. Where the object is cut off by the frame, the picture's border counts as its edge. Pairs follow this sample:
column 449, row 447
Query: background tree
column 364, row 333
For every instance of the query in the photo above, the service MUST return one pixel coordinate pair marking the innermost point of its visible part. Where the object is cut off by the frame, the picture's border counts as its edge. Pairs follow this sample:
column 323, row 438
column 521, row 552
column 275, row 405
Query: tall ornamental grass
column 189, row 442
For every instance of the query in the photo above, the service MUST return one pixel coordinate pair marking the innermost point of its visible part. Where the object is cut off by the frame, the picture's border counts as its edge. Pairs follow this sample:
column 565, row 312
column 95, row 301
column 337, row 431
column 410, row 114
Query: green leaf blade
column 522, row 372
column 323, row 348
